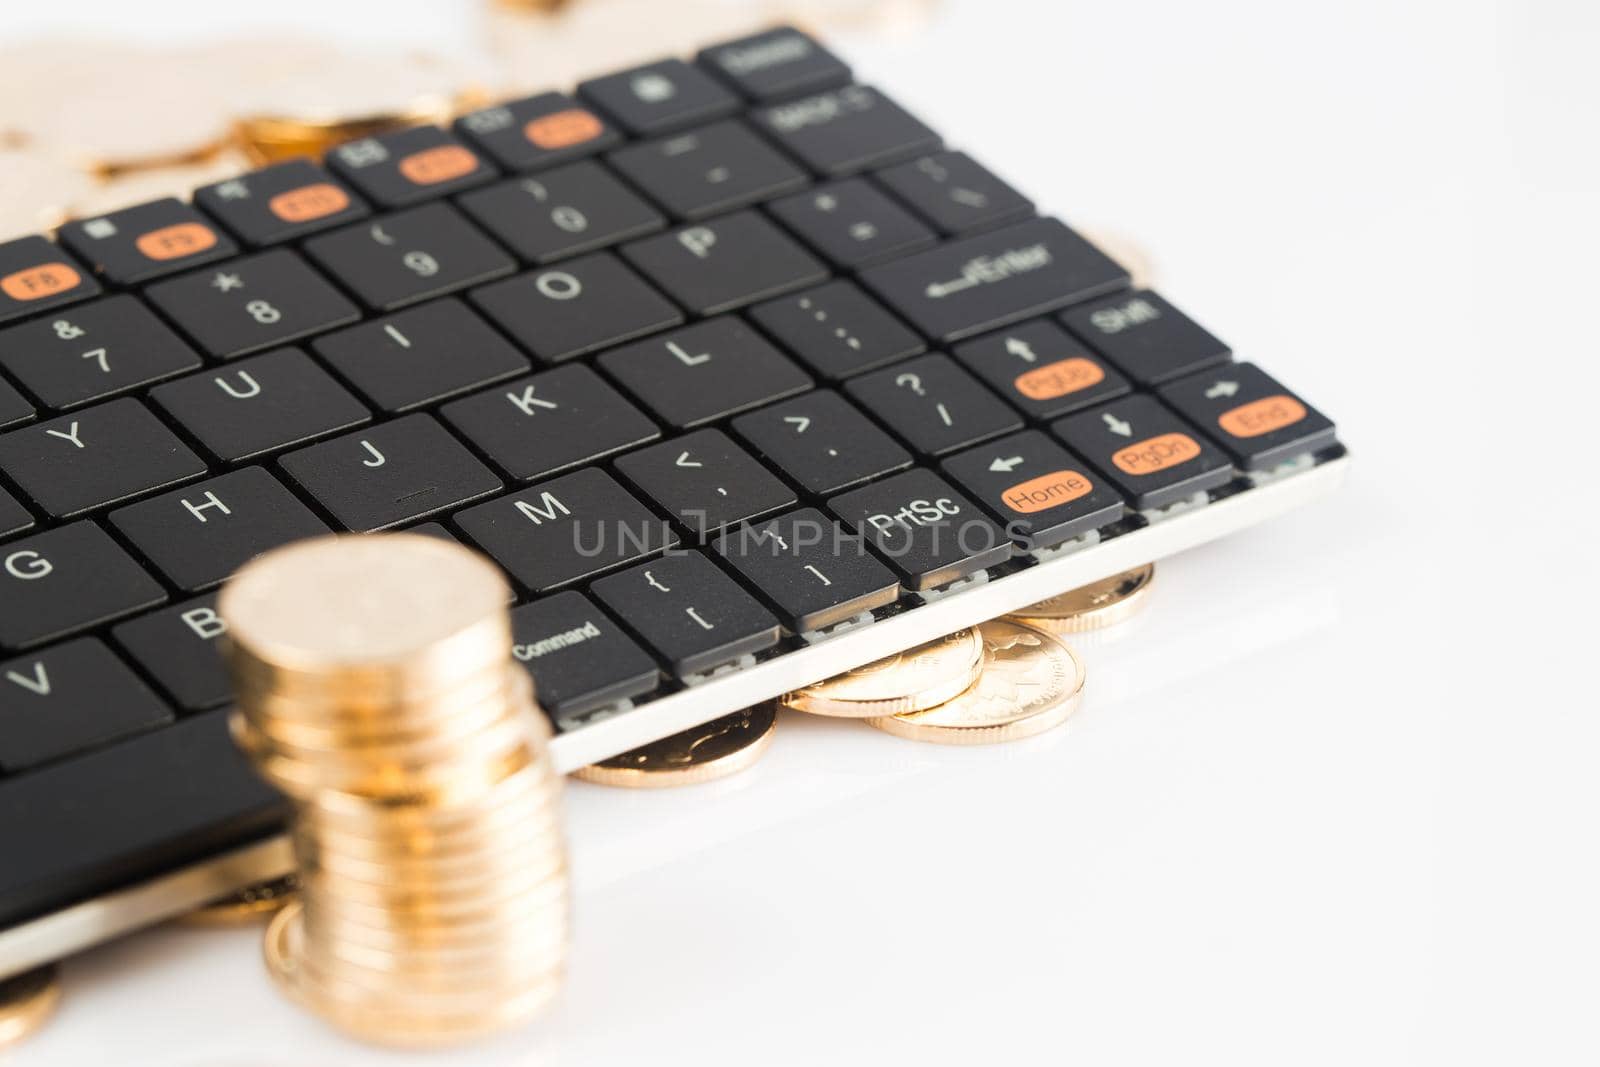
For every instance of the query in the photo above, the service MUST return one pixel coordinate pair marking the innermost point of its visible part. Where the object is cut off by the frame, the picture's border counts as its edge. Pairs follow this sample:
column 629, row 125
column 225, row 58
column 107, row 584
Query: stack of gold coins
column 376, row 688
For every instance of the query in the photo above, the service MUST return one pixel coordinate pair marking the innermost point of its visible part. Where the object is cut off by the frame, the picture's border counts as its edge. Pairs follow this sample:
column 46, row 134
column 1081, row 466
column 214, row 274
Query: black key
column 14, row 407
column 1256, row 421
column 1042, row 369
column 705, row 371
column 177, row 646
column 955, row 193
column 14, row 518
column 853, row 223
column 280, row 203
column 584, row 304
column 434, row 529
column 260, row 405
column 57, row 581
column 93, row 351
column 113, row 818
column 690, row 612
column 837, row 329
column 561, row 531
column 721, row 264
column 199, row 535
column 1145, row 450
column 409, row 256
column 580, row 660
column 715, row 168
column 777, row 63
column 407, row 166
column 537, row 131
column 98, row 456
column 658, row 97
column 845, row 130
column 705, row 481
column 822, row 442
column 562, row 212
column 420, row 355
column 146, row 241
column 1039, row 491
column 70, row 698
column 538, row 426
column 36, row 275
column 927, row 532
column 1145, row 337
column 390, row 475
column 995, row 278
column 250, row 304
column 810, row 569
column 933, row 404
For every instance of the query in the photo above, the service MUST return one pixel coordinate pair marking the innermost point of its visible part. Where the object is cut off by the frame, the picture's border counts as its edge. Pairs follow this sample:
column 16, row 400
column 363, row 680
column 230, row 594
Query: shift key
column 995, row 278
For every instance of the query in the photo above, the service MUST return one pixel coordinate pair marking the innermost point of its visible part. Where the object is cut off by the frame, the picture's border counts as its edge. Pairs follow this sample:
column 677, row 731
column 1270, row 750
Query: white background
column 1333, row 799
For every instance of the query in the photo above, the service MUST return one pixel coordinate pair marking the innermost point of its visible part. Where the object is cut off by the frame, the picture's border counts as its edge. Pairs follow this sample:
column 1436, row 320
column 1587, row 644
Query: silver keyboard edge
column 73, row 929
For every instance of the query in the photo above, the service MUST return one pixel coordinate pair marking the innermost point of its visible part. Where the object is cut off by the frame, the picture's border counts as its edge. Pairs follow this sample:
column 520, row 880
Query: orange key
column 1266, row 415
column 309, row 202
column 176, row 241
column 441, row 163
column 1058, row 379
column 36, row 283
column 563, row 129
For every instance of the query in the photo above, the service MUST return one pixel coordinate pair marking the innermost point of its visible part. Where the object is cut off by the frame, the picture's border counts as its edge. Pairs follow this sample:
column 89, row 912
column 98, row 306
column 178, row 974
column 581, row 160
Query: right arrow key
column 1259, row 422
column 1145, row 450
column 1041, row 493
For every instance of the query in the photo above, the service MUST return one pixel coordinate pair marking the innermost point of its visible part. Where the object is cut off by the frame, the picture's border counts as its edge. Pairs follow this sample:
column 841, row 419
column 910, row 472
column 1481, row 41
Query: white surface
column 1332, row 800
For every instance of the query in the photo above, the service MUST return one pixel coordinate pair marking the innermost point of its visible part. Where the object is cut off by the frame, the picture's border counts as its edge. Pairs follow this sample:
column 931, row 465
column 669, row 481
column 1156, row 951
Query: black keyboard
column 753, row 318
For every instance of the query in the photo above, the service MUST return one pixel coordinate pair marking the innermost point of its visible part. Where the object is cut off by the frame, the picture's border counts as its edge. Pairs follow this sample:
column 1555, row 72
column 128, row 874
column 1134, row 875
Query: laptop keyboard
column 743, row 312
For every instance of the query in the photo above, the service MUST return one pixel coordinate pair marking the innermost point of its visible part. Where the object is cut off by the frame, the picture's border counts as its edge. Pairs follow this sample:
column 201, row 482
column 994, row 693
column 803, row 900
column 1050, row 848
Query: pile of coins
column 376, row 689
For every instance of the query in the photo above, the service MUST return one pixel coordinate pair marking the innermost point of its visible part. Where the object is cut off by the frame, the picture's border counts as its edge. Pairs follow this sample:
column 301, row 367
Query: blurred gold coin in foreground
column 912, row 680
column 26, row 1001
column 713, row 750
column 1031, row 682
column 1094, row 607
column 248, row 904
column 376, row 688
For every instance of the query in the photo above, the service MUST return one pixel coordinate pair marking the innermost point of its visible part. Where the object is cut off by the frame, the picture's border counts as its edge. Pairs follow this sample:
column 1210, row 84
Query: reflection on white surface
column 1309, row 813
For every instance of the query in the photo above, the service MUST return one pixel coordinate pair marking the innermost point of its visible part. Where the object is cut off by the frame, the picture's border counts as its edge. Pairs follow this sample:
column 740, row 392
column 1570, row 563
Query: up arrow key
column 1117, row 426
column 685, row 358
column 684, row 461
column 1007, row 465
column 1020, row 348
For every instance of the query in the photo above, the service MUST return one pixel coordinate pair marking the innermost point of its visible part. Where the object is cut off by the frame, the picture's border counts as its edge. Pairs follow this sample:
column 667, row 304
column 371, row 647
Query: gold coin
column 248, row 904
column 912, row 680
column 1094, row 607
column 1031, row 682
column 710, row 751
column 26, row 1001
